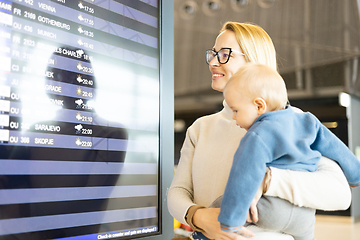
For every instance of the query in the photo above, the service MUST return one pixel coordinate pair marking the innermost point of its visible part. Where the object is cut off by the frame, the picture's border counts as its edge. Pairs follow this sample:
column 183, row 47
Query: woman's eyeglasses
column 223, row 55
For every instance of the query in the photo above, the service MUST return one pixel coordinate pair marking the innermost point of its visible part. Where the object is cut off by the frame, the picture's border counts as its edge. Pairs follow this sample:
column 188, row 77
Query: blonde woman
column 211, row 141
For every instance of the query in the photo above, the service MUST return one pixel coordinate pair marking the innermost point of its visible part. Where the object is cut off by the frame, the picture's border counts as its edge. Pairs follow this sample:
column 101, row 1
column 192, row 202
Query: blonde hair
column 254, row 42
column 260, row 81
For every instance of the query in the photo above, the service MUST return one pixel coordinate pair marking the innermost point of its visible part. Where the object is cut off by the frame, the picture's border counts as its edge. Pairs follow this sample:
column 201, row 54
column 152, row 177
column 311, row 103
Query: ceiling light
column 211, row 7
column 188, row 9
column 239, row 5
column 266, row 3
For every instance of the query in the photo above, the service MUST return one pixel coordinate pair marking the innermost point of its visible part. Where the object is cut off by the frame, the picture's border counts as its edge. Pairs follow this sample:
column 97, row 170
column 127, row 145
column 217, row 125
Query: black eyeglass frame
column 217, row 55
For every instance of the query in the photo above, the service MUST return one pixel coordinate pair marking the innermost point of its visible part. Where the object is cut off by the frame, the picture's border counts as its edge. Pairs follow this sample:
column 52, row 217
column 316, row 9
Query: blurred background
column 317, row 44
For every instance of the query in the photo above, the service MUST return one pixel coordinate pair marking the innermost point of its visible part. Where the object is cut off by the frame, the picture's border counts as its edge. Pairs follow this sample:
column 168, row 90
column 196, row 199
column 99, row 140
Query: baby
column 277, row 136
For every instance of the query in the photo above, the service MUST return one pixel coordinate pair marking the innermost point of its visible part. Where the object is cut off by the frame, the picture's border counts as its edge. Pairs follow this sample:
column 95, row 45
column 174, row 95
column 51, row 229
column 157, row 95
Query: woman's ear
column 260, row 105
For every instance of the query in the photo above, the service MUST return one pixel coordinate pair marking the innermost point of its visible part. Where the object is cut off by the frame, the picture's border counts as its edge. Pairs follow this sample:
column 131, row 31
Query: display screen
column 79, row 119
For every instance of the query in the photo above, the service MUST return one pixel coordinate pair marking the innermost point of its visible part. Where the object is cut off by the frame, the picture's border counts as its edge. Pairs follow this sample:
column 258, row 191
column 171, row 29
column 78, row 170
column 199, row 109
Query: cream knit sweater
column 205, row 162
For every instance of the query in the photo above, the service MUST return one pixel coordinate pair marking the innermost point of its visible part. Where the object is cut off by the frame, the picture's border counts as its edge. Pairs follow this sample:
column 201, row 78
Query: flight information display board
column 79, row 119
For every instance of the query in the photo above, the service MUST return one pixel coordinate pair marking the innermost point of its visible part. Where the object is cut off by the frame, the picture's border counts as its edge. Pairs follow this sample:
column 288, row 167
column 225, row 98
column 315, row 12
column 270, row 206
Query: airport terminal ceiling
column 317, row 43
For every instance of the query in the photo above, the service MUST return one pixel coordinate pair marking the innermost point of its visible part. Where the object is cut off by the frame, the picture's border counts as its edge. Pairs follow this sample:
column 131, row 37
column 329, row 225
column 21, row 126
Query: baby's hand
column 253, row 215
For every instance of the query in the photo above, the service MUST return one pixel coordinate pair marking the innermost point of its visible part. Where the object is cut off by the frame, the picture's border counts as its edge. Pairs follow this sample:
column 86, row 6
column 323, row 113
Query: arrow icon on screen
column 78, row 127
column 78, row 116
column 78, row 91
column 79, row 79
column 79, row 101
column 78, row 141
column 79, row 66
column 80, row 30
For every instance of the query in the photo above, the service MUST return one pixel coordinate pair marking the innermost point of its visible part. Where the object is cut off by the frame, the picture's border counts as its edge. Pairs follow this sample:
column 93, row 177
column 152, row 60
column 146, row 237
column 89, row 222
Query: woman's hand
column 206, row 219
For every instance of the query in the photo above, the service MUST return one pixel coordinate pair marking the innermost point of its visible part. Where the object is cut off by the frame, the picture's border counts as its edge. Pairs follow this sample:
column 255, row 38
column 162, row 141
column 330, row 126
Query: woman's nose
column 214, row 62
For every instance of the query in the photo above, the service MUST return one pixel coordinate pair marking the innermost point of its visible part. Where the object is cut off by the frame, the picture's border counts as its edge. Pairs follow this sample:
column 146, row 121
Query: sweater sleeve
column 326, row 189
column 180, row 194
column 332, row 147
column 246, row 176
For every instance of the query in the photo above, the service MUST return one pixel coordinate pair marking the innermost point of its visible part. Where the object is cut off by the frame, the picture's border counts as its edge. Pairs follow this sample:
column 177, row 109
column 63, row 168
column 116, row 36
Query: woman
column 211, row 141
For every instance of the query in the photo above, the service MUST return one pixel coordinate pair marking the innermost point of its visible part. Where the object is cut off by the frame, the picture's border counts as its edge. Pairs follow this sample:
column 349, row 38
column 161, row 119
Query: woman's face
column 221, row 73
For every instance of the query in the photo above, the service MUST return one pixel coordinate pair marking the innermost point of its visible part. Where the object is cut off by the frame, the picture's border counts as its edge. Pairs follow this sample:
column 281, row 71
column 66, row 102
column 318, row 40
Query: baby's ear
column 260, row 105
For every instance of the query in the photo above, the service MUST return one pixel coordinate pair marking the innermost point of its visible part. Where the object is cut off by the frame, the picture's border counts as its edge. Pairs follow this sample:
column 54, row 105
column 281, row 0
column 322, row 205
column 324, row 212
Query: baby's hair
column 260, row 81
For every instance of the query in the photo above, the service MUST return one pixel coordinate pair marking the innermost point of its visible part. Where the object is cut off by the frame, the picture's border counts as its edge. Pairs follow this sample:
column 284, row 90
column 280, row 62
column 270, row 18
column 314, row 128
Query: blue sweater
column 282, row 139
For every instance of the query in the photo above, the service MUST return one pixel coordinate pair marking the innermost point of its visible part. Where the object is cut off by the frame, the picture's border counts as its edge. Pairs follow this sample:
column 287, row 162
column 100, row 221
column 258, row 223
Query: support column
column 353, row 115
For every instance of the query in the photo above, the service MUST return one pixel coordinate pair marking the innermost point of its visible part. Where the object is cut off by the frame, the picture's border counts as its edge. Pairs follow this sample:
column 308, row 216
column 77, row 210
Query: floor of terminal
column 336, row 228
column 329, row 227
